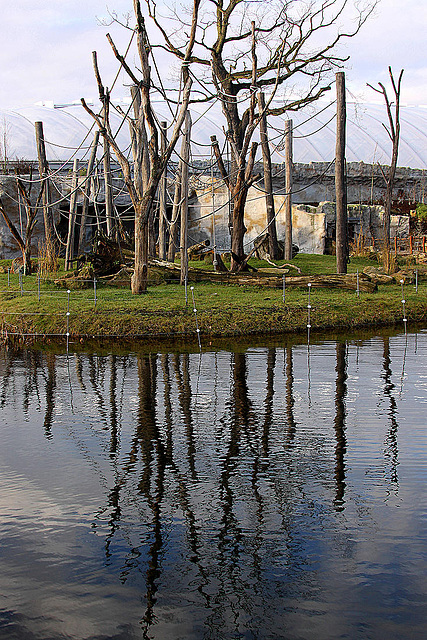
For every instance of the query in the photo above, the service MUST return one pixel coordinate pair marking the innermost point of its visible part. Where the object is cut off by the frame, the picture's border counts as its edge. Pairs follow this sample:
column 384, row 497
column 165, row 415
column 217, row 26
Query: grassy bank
column 41, row 308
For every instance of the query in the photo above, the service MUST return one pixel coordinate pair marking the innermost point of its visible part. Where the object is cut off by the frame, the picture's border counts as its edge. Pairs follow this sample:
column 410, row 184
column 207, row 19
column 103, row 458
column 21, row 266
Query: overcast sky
column 46, row 45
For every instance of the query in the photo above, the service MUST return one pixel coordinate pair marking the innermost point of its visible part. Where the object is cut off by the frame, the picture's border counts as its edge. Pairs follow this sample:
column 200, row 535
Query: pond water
column 272, row 491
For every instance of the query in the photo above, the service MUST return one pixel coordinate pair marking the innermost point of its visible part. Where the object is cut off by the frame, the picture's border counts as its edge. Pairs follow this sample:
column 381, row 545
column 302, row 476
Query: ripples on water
column 274, row 492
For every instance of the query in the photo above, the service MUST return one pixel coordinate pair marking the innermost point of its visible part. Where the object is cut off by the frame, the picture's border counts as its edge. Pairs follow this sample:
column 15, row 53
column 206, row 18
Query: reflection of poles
column 113, row 406
column 50, row 394
column 93, row 362
column 146, row 430
column 240, row 391
column 289, row 370
column 391, row 447
column 339, row 423
column 168, row 406
column 33, row 361
column 151, row 447
column 268, row 402
column 184, row 396
column 230, row 532
column 79, row 371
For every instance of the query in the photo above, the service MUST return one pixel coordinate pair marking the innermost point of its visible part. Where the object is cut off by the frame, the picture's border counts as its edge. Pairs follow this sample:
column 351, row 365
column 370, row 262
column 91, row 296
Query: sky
column 46, row 50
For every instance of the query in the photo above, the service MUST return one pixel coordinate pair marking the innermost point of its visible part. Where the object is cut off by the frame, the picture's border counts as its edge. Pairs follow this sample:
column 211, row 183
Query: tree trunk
column 139, row 279
column 238, row 229
column 288, row 189
column 184, row 205
column 173, row 236
column 87, row 191
column 49, row 225
column 163, row 199
column 273, row 247
column 26, row 258
column 69, row 252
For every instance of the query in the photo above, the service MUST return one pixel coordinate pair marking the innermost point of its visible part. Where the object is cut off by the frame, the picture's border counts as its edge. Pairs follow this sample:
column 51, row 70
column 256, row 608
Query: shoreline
column 179, row 326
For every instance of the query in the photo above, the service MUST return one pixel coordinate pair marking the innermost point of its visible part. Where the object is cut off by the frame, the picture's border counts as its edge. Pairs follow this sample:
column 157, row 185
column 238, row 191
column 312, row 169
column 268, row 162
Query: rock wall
column 313, row 227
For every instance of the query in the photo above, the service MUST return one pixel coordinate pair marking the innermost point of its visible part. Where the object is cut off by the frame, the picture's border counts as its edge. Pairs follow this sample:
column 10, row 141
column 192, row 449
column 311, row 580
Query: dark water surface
column 271, row 492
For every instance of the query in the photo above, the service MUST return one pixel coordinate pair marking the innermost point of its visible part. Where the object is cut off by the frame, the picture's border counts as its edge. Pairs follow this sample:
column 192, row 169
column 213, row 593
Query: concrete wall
column 312, row 226
column 309, row 225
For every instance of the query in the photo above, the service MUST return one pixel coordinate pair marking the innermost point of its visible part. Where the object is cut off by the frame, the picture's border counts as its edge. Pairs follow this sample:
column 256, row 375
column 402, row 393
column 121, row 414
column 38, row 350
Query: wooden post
column 184, row 204
column 340, row 178
column 424, row 244
column 163, row 197
column 69, row 251
column 268, row 186
column 173, row 232
column 108, row 189
column 215, row 260
column 49, row 225
column 395, row 245
column 87, row 190
column 288, row 188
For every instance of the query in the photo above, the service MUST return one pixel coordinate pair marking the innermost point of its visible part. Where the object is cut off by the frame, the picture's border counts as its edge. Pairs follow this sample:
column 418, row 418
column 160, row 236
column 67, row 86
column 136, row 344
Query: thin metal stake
column 20, row 283
column 68, row 317
column 416, row 280
column 284, row 289
column 357, row 285
column 195, row 315
column 8, row 277
column 405, row 320
column 309, row 311
column 94, row 291
column 38, row 284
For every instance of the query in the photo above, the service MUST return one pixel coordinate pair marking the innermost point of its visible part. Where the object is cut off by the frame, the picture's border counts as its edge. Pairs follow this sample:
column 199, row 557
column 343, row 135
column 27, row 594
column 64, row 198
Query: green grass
column 222, row 310
column 310, row 264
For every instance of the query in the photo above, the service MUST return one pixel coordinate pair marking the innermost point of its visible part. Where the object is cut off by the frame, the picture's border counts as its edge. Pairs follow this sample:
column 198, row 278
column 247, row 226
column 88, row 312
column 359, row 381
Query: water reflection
column 391, row 443
column 221, row 495
column 339, row 423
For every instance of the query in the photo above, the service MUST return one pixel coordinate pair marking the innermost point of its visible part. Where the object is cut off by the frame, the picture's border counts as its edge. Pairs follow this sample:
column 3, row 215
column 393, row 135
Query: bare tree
column 242, row 47
column 24, row 241
column 393, row 130
column 142, row 183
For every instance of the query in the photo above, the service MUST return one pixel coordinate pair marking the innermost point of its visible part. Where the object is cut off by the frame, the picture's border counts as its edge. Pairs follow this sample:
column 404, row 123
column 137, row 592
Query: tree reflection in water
column 207, row 463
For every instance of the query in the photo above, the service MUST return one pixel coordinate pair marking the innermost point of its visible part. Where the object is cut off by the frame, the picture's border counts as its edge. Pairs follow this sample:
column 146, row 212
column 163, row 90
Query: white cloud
column 46, row 46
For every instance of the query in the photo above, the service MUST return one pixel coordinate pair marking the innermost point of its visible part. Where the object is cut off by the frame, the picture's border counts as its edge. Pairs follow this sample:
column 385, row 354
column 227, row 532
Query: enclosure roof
column 69, row 131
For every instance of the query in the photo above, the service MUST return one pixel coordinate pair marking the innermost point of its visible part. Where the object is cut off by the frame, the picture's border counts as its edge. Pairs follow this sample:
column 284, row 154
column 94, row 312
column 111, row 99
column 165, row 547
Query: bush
column 422, row 211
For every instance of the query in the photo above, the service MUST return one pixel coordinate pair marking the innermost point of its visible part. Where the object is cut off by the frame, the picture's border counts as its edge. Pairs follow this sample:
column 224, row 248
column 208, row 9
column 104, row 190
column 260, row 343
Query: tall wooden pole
column 273, row 247
column 288, row 188
column 341, row 240
column 173, row 232
column 163, row 197
column 108, row 189
column 49, row 225
column 184, row 205
column 69, row 251
column 87, row 190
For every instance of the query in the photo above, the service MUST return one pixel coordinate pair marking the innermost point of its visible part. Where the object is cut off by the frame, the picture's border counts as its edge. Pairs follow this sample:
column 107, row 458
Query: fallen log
column 333, row 281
